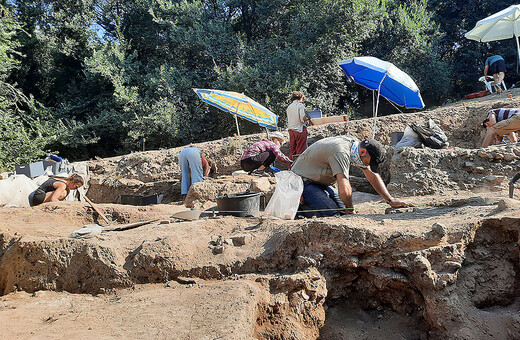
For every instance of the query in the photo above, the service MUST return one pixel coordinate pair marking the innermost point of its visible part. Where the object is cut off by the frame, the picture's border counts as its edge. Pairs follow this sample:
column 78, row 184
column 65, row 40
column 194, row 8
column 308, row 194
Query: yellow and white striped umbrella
column 238, row 104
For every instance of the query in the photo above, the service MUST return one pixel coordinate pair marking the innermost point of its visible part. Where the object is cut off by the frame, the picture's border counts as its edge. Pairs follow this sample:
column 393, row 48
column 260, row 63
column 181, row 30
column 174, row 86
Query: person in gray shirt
column 328, row 161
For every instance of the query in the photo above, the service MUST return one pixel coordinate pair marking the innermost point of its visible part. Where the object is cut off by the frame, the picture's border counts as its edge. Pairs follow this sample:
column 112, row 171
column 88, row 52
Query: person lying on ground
column 260, row 155
column 327, row 161
column 500, row 122
column 56, row 189
column 194, row 167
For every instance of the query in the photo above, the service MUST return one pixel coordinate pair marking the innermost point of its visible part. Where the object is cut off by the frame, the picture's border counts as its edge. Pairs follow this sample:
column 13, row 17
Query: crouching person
column 328, row 161
column 56, row 189
column 258, row 157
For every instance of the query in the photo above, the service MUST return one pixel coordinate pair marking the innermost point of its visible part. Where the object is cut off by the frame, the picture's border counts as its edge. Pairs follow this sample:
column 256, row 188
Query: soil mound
column 448, row 268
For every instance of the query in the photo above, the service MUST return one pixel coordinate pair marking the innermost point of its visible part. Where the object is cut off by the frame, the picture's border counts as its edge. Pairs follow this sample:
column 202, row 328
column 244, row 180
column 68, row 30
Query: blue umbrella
column 385, row 78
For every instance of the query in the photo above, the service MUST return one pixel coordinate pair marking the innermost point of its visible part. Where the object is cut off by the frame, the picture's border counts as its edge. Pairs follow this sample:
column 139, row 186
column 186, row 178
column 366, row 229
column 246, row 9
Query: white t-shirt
column 295, row 114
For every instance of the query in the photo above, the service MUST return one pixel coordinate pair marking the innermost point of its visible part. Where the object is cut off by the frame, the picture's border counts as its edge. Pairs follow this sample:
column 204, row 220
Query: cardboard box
column 327, row 120
column 30, row 170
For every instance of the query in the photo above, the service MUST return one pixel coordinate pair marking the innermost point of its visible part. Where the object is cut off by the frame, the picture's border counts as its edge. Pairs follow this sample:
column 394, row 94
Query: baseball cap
column 276, row 134
column 376, row 152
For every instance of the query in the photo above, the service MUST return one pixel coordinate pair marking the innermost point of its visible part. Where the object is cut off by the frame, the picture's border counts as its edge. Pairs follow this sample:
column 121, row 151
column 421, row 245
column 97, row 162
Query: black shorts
column 265, row 158
column 497, row 66
column 38, row 198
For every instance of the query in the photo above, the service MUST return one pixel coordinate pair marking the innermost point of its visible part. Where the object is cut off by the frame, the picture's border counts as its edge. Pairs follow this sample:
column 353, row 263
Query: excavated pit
column 369, row 276
column 449, row 269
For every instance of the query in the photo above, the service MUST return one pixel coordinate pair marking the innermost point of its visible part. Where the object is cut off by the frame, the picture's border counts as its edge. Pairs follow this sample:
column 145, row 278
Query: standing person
column 56, row 189
column 500, row 122
column 259, row 156
column 194, row 167
column 496, row 66
column 327, row 161
column 295, row 124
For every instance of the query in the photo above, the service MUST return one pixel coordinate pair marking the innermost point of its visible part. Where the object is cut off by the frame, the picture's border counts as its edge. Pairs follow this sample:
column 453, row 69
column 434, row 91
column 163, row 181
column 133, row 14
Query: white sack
column 286, row 197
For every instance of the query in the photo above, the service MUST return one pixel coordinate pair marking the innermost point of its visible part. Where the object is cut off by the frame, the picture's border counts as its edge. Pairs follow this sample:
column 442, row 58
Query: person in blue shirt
column 496, row 66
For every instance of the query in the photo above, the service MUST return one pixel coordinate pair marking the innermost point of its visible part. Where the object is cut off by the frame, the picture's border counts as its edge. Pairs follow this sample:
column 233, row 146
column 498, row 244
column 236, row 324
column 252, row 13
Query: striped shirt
column 263, row 146
column 503, row 114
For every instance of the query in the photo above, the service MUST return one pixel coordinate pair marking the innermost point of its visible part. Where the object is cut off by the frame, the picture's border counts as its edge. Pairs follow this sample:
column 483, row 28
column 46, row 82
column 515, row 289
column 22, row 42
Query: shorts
column 497, row 66
column 265, row 158
column 38, row 198
column 507, row 126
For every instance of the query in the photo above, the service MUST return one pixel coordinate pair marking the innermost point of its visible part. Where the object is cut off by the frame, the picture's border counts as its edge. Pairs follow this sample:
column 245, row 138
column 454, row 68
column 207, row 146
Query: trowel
column 90, row 230
column 512, row 185
column 187, row 215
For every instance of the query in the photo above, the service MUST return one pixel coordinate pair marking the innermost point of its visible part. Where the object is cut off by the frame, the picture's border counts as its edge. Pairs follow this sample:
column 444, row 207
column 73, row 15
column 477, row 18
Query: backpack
column 430, row 137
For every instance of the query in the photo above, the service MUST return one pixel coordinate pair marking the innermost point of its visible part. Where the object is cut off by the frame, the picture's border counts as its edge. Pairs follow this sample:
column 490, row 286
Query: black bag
column 430, row 137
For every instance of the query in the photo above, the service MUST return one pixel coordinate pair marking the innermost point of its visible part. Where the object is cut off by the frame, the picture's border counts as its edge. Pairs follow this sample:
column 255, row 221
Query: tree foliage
column 107, row 73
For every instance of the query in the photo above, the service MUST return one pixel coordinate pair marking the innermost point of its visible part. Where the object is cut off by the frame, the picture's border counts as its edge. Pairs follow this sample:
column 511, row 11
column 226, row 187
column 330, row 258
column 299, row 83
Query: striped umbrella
column 239, row 105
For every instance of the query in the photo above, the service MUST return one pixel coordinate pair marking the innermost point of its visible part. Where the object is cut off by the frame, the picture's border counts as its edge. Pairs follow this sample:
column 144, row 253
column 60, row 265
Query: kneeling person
column 327, row 161
column 500, row 122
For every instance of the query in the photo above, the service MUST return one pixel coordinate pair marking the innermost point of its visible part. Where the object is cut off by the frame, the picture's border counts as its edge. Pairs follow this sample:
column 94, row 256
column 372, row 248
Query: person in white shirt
column 296, row 124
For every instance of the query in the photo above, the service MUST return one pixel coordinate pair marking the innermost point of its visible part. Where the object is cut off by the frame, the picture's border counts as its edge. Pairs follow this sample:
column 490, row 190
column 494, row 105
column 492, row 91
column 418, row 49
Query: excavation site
column 447, row 268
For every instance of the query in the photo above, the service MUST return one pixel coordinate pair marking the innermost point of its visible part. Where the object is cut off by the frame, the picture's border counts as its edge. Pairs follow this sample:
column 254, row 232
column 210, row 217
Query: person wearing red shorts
column 296, row 124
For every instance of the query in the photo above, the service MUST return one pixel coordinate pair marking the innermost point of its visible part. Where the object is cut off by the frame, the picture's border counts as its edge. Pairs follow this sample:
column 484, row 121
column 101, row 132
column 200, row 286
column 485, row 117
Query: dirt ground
column 448, row 268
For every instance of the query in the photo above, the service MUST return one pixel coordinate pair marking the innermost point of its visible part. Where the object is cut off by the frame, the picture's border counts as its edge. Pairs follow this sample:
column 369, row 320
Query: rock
column 482, row 154
column 218, row 249
column 509, row 157
column 185, row 280
column 506, row 204
column 241, row 240
column 261, row 184
column 469, row 164
column 304, row 261
column 452, row 266
column 422, row 263
column 439, row 229
column 492, row 179
column 396, row 234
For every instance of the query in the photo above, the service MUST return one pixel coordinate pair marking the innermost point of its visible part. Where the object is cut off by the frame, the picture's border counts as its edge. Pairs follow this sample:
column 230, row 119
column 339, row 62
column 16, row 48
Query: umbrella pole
column 236, row 121
column 375, row 116
column 517, row 47
column 377, row 107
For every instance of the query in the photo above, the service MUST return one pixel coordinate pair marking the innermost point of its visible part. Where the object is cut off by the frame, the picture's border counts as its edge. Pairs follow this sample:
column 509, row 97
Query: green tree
column 23, row 133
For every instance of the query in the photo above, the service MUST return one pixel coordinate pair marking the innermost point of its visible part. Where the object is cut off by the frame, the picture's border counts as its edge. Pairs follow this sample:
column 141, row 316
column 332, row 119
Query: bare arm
column 345, row 192
column 486, row 70
column 377, row 183
column 490, row 133
column 60, row 192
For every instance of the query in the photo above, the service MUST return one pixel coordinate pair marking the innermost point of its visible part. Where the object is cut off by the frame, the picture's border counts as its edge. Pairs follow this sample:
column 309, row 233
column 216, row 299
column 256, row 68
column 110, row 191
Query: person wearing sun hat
column 327, row 161
column 260, row 155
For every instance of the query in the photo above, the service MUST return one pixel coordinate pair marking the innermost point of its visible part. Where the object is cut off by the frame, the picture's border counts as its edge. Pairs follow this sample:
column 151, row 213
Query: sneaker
column 257, row 173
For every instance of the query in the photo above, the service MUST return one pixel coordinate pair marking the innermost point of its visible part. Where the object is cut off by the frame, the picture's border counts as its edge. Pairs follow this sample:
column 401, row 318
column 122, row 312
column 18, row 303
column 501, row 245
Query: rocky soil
column 448, row 268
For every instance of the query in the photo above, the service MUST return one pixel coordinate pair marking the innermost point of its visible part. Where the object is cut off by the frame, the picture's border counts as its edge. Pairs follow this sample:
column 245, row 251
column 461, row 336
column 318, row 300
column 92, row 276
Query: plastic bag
column 286, row 197
column 15, row 191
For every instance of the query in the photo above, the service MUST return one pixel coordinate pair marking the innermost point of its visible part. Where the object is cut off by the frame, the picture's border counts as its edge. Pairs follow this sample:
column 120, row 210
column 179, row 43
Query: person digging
column 258, row 157
column 500, row 122
column 328, row 161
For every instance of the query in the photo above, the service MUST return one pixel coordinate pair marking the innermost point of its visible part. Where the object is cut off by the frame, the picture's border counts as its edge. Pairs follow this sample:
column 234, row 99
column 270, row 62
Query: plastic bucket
column 241, row 204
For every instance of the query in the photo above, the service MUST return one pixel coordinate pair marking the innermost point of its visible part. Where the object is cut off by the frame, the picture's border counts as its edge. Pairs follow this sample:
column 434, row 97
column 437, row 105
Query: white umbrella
column 499, row 26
